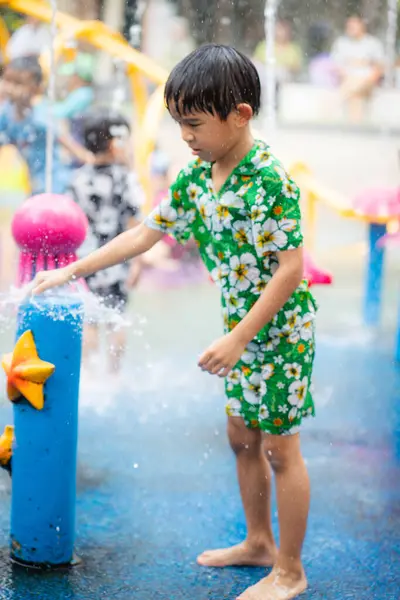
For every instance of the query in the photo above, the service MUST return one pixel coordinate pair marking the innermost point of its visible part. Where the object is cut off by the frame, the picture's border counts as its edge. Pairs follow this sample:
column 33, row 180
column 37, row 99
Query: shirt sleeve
column 276, row 215
column 176, row 214
column 75, row 104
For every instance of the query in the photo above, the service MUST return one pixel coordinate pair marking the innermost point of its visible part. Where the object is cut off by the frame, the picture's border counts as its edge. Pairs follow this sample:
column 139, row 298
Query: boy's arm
column 279, row 289
column 76, row 149
column 224, row 354
column 276, row 230
column 136, row 267
column 129, row 244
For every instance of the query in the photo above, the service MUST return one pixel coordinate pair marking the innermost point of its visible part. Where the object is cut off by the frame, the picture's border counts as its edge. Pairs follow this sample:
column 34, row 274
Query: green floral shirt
column 239, row 231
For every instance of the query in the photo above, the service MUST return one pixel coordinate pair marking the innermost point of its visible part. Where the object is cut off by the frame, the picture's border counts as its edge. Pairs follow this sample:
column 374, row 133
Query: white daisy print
column 233, row 379
column 307, row 327
column 241, row 232
column 219, row 274
column 268, row 371
column 258, row 213
column 262, row 158
column 194, row 192
column 231, row 199
column 269, row 237
column 292, row 370
column 165, row 216
column 263, row 413
column 253, row 388
column 235, row 302
column 297, row 392
column 243, row 271
column 221, row 218
column 233, row 407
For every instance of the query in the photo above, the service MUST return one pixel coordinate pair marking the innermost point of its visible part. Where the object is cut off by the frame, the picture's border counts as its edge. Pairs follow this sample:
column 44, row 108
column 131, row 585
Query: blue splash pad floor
column 156, row 486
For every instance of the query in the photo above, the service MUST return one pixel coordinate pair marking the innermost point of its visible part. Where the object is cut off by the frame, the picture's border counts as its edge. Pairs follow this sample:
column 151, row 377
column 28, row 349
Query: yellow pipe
column 4, row 37
column 139, row 93
column 313, row 192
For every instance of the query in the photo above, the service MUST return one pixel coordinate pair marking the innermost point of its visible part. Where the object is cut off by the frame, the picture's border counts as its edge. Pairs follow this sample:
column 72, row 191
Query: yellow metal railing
column 313, row 192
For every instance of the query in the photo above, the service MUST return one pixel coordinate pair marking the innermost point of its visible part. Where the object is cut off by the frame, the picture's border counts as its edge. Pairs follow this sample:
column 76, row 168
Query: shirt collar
column 246, row 166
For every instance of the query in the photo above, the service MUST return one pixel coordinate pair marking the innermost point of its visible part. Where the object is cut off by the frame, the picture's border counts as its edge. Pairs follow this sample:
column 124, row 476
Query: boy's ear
column 244, row 114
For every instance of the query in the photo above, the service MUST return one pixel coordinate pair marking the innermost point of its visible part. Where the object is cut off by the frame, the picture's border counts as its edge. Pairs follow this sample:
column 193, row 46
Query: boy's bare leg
column 90, row 343
column 254, row 476
column 116, row 349
column 287, row 579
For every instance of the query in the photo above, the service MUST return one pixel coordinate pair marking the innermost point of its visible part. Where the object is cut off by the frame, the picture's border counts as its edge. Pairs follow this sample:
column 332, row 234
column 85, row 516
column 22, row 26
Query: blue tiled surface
column 156, row 486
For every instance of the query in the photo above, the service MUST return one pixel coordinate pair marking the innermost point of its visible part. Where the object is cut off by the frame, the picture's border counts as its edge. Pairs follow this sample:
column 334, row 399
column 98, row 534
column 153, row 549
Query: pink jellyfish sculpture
column 48, row 230
column 313, row 274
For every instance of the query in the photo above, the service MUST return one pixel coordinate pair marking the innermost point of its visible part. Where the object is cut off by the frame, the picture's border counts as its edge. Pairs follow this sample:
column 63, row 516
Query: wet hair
column 213, row 79
column 28, row 64
column 102, row 126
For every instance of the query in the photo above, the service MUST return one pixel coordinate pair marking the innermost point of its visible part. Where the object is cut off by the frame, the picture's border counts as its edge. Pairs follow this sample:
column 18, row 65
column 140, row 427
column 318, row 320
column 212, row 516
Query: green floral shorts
column 270, row 387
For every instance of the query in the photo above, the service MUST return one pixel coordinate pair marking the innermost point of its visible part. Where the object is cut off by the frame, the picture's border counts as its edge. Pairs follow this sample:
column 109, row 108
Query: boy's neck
column 104, row 158
column 236, row 154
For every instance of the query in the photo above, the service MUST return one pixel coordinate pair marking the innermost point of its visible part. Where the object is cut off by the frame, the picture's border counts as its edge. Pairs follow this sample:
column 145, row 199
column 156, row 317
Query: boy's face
column 19, row 87
column 207, row 136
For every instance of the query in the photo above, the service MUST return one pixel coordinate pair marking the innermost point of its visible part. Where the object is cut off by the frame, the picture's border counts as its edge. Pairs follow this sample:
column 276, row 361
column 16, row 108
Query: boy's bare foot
column 241, row 555
column 279, row 585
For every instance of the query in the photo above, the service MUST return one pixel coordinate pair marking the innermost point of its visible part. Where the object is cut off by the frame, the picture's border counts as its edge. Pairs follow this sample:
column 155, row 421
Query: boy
column 110, row 195
column 243, row 210
column 79, row 95
column 24, row 123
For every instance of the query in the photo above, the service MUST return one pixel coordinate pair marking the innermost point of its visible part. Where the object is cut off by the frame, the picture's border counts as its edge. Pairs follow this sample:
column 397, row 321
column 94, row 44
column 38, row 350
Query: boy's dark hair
column 214, row 79
column 29, row 64
column 102, row 126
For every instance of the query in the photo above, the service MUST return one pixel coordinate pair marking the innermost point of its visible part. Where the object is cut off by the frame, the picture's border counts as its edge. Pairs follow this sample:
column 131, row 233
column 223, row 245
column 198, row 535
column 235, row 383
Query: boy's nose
column 187, row 136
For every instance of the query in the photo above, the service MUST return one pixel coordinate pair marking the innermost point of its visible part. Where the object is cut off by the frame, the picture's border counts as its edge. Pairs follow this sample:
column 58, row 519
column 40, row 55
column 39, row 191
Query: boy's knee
column 281, row 451
column 241, row 438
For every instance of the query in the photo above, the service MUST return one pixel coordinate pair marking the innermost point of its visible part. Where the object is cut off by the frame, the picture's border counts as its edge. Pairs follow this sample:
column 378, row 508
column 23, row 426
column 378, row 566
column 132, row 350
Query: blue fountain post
column 48, row 230
column 44, row 455
column 374, row 276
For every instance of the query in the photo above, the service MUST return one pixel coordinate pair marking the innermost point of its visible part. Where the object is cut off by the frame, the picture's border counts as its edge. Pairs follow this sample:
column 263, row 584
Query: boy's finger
column 225, row 372
column 204, row 358
column 39, row 289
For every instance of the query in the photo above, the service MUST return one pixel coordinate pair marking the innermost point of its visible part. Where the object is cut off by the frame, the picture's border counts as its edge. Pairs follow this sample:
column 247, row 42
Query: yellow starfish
column 6, row 440
column 26, row 372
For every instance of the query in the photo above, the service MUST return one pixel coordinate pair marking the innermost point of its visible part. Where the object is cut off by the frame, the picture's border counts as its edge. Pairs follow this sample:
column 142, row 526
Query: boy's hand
column 45, row 280
column 222, row 356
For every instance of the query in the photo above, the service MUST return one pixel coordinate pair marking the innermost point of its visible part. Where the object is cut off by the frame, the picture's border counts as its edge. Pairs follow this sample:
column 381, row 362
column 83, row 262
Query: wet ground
column 156, row 482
